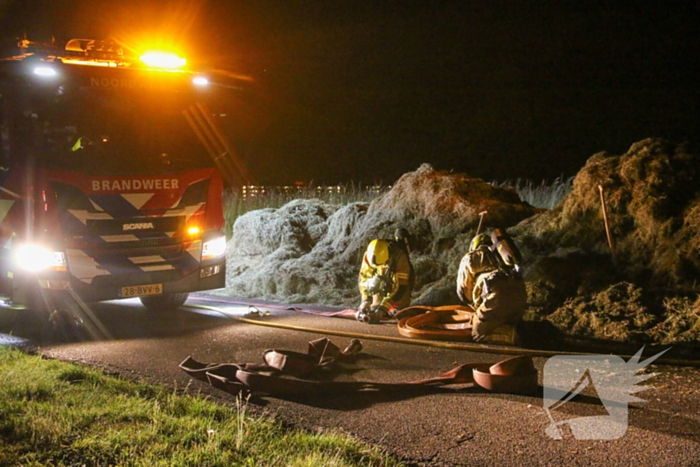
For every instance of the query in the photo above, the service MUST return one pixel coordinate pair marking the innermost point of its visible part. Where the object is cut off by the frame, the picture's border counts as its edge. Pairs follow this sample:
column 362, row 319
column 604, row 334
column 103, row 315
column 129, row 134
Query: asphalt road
column 458, row 426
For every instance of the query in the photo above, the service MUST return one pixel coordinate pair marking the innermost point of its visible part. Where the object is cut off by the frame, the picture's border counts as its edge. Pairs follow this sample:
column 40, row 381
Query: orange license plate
column 140, row 290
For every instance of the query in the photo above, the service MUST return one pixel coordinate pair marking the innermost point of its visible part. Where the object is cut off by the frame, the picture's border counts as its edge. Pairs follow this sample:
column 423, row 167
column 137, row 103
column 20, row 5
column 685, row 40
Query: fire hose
column 284, row 373
column 466, row 346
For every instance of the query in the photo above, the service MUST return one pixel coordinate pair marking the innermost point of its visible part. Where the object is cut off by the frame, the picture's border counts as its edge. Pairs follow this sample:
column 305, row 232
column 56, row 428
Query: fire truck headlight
column 214, row 248
column 37, row 258
column 44, row 71
column 200, row 81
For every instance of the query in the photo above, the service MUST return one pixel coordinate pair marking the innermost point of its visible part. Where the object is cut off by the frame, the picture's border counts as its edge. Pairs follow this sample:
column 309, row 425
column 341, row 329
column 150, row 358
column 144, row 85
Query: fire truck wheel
column 169, row 301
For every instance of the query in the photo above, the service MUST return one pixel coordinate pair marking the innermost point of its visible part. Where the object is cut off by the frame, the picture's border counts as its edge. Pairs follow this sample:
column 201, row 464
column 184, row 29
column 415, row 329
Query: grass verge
column 54, row 413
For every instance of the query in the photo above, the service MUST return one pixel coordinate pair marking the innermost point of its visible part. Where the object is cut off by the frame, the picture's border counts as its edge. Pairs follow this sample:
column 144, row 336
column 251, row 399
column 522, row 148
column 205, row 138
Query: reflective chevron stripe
column 162, row 267
column 147, row 259
column 119, row 238
column 5, row 205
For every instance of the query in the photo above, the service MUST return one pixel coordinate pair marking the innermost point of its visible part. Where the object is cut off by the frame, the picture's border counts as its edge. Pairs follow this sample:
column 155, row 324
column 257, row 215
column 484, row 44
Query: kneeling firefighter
column 489, row 279
column 386, row 278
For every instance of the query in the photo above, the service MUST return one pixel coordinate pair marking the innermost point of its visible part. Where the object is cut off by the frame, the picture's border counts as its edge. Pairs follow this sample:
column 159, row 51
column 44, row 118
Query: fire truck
column 108, row 183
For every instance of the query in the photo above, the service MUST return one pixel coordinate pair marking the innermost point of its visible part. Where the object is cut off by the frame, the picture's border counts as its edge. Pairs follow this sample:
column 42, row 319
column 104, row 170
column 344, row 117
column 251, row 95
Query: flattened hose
column 481, row 348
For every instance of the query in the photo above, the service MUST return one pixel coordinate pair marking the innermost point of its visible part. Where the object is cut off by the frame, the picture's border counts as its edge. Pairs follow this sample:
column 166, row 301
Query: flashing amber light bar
column 112, row 64
column 163, row 60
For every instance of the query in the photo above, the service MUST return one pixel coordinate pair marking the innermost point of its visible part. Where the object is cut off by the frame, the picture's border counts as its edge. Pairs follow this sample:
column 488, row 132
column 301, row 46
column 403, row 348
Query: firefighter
column 489, row 279
column 386, row 278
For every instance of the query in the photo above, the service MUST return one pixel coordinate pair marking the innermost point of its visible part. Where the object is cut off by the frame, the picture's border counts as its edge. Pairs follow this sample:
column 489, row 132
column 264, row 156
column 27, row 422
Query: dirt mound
column 309, row 251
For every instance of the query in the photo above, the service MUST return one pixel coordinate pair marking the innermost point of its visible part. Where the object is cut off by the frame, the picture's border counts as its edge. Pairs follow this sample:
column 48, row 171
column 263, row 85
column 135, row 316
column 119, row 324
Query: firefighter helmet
column 378, row 253
column 401, row 235
column 480, row 240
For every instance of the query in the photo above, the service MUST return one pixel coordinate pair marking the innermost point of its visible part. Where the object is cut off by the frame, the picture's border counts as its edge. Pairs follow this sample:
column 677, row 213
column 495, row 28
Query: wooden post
column 481, row 218
column 607, row 227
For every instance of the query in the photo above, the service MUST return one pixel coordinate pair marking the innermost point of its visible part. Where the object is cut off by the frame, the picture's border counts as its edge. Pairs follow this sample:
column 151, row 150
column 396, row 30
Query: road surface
column 460, row 426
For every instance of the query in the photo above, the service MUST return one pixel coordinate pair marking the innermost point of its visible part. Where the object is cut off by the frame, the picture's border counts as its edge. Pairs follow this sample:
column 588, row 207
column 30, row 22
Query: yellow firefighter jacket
column 396, row 276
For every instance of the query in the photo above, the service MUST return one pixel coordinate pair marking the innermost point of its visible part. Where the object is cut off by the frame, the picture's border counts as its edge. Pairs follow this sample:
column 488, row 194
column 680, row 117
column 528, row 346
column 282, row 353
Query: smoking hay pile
column 309, row 251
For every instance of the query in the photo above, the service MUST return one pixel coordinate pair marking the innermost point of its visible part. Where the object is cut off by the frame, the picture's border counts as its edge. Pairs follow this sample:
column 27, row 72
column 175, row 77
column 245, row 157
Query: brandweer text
column 144, row 184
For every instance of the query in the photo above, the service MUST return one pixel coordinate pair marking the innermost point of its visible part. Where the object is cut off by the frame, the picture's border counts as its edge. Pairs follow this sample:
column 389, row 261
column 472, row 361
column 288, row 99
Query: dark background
column 365, row 91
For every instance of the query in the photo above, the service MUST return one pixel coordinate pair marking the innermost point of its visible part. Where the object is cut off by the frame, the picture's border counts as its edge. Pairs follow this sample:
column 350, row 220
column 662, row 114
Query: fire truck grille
column 145, row 243
column 126, row 251
column 140, row 225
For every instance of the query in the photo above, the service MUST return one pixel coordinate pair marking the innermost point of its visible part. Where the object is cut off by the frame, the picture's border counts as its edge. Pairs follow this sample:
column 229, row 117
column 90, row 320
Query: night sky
column 365, row 91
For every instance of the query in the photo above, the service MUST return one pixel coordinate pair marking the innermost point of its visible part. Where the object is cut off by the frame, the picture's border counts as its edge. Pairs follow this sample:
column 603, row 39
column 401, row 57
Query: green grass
column 54, row 413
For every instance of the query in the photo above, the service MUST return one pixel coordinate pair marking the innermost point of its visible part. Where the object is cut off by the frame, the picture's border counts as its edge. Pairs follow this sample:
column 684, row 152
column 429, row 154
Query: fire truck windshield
column 100, row 132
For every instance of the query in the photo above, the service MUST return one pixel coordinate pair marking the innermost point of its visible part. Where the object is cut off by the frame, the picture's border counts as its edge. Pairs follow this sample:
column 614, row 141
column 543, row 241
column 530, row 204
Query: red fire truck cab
column 106, row 192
